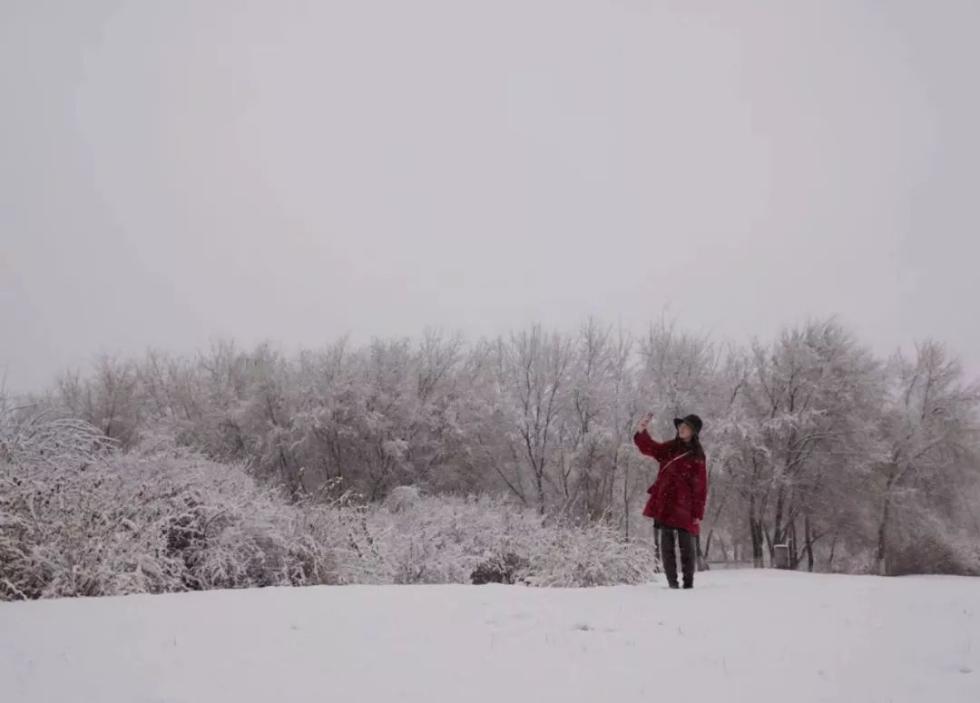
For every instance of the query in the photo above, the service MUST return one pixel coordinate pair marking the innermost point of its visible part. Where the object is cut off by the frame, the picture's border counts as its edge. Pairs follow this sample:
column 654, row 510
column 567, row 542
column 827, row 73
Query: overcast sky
column 176, row 172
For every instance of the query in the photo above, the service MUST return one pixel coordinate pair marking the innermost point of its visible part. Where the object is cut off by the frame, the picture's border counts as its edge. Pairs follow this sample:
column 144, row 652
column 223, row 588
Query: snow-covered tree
column 930, row 429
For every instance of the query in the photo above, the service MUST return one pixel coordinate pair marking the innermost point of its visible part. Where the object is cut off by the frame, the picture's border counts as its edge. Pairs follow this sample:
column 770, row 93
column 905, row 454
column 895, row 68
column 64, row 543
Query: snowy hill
column 739, row 636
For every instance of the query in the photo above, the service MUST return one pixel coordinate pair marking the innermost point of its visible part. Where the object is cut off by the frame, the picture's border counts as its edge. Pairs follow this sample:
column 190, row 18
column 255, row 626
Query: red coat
column 679, row 494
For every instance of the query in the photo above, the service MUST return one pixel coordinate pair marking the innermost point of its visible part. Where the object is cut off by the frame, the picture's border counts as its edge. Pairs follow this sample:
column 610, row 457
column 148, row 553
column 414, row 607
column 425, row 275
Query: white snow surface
column 749, row 635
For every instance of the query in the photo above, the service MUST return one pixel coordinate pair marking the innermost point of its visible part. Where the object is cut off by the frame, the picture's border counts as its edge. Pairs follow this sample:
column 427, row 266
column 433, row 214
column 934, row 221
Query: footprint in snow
column 586, row 627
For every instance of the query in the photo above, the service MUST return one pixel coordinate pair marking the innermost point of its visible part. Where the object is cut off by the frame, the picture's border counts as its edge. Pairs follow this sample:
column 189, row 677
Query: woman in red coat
column 678, row 496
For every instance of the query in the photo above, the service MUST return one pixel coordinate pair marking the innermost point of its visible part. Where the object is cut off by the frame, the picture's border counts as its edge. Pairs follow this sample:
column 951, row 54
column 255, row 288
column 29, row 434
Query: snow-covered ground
column 739, row 636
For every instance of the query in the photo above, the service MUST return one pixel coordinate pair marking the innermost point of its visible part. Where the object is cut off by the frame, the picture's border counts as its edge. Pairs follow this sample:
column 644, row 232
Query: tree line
column 853, row 462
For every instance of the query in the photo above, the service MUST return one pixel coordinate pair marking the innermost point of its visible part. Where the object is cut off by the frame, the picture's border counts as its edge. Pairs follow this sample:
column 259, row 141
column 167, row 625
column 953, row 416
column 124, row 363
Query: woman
column 678, row 496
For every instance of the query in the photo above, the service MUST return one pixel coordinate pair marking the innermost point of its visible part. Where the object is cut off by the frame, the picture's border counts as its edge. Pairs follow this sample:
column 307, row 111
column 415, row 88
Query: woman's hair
column 694, row 444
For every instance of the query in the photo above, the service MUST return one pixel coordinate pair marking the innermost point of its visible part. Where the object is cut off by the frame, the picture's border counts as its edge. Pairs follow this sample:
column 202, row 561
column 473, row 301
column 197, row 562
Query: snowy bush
column 591, row 554
column 78, row 517
column 500, row 568
column 402, row 498
column 171, row 521
column 442, row 539
column 132, row 524
column 29, row 435
column 926, row 546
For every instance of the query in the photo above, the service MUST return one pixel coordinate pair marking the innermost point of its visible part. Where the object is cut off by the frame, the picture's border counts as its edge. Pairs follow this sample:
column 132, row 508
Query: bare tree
column 931, row 430
column 534, row 367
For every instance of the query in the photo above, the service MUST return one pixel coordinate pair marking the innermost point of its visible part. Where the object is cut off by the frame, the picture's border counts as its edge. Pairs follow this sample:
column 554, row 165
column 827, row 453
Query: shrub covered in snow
column 86, row 521
column 925, row 545
column 499, row 568
column 43, row 437
column 129, row 524
column 443, row 539
column 78, row 517
column 137, row 524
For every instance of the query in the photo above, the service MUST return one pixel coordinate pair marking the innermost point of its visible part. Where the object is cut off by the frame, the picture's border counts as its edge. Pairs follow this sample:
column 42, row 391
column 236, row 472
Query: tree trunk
column 881, row 561
column 725, row 556
column 755, row 528
column 701, row 562
column 809, row 543
column 626, row 502
column 833, row 548
column 778, row 533
column 539, row 484
column 794, row 552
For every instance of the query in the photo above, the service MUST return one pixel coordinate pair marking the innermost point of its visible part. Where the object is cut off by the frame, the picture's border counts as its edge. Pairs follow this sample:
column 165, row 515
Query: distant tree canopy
column 854, row 462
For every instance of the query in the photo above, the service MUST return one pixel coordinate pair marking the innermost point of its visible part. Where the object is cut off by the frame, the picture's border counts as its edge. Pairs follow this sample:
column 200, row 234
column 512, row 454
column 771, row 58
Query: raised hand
column 644, row 421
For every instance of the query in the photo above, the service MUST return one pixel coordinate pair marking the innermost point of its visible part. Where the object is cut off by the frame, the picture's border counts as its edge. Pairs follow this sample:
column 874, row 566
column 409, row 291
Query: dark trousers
column 669, row 537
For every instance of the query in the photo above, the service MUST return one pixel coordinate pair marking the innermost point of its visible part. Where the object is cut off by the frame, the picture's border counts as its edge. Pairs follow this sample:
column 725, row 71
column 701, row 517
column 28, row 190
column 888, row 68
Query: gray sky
column 175, row 172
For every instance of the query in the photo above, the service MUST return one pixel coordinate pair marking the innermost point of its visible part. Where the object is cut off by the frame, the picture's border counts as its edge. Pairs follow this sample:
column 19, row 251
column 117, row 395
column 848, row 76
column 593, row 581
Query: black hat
column 692, row 420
